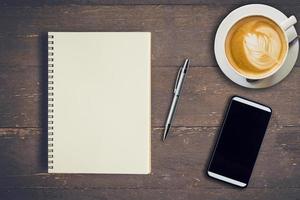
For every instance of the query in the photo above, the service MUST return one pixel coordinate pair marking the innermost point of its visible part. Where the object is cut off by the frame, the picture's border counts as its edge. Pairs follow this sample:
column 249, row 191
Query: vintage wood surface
column 179, row 29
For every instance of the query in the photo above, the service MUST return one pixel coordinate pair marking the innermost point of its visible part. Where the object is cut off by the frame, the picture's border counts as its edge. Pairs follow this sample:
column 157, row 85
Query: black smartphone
column 239, row 141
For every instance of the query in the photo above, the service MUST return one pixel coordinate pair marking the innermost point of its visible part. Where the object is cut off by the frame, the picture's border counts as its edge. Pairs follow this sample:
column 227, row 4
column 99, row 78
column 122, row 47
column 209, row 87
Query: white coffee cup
column 284, row 26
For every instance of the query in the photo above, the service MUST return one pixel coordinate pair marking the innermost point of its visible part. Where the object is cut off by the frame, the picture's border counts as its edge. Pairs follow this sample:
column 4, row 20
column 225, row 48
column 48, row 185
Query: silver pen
column 177, row 90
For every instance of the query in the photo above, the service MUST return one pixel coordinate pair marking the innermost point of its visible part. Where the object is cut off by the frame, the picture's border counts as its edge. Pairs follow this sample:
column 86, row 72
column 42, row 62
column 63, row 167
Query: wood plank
column 177, row 31
column 23, row 163
column 205, row 96
column 207, row 92
column 139, row 2
column 178, row 173
column 134, row 193
column 23, row 96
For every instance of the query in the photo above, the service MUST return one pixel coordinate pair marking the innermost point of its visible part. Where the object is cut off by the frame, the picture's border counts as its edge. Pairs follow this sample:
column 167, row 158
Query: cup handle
column 288, row 23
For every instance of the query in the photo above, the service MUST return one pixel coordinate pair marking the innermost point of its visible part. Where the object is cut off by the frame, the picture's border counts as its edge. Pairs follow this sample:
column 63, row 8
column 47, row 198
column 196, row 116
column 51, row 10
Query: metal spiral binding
column 50, row 100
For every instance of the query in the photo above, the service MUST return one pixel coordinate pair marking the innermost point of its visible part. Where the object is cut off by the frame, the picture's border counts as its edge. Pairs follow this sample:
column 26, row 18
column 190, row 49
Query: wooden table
column 179, row 29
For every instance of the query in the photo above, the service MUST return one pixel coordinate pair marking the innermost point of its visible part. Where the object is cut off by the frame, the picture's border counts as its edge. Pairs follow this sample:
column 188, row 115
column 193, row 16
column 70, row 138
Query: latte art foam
column 262, row 50
column 255, row 46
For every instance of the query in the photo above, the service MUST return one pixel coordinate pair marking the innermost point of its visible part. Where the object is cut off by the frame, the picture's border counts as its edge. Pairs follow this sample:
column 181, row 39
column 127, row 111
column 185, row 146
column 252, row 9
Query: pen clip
column 177, row 79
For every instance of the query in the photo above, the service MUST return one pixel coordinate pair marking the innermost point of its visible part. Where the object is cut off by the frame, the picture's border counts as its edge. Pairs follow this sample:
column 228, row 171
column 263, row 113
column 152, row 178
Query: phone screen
column 239, row 141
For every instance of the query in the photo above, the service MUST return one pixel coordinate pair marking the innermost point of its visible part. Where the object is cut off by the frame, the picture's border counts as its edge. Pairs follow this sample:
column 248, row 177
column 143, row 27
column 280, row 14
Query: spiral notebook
column 99, row 115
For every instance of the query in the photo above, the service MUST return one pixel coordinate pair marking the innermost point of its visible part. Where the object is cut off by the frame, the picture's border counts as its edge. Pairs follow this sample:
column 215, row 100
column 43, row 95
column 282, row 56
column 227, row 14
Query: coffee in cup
column 256, row 46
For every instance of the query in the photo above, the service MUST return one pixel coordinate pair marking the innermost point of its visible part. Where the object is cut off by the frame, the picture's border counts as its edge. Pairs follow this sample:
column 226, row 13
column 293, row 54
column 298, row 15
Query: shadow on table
column 43, row 73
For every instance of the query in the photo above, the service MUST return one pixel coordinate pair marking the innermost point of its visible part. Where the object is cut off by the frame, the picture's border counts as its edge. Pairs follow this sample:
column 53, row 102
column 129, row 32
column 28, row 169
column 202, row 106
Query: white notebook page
column 102, row 100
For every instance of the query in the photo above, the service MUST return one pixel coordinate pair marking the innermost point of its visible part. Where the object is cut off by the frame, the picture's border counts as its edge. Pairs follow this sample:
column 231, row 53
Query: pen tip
column 164, row 138
column 166, row 132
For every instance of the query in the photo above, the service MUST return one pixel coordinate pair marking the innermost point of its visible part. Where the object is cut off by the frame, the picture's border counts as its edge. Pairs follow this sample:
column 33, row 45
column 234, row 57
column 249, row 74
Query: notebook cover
column 99, row 109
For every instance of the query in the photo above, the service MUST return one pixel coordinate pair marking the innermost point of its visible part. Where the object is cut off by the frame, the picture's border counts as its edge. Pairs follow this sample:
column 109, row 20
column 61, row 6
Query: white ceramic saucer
column 233, row 17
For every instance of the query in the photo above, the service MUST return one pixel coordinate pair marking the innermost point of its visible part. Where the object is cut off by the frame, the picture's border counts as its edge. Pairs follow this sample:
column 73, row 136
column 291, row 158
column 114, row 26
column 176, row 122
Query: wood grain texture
column 171, row 169
column 178, row 166
column 204, row 99
column 144, row 193
column 140, row 2
column 177, row 31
